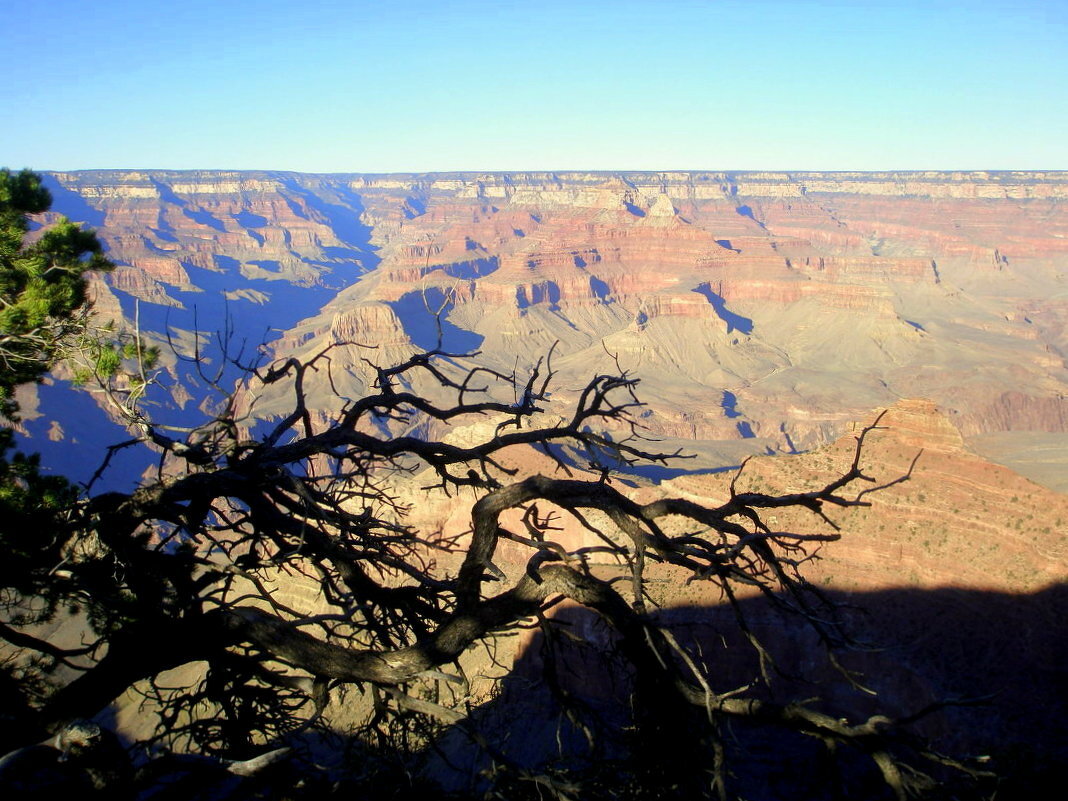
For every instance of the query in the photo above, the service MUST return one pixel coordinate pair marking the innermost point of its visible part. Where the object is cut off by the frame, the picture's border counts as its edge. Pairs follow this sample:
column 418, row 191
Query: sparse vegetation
column 42, row 288
column 257, row 580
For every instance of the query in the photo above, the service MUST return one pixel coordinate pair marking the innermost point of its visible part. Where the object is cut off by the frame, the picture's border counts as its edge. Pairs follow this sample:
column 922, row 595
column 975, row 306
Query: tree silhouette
column 264, row 575
column 42, row 307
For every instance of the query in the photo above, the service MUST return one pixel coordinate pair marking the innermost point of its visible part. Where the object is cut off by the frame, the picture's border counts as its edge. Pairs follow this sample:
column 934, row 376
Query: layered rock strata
column 761, row 306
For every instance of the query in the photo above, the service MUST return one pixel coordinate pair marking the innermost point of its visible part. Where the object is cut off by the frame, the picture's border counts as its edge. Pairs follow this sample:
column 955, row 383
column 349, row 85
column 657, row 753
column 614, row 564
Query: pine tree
column 42, row 284
column 42, row 308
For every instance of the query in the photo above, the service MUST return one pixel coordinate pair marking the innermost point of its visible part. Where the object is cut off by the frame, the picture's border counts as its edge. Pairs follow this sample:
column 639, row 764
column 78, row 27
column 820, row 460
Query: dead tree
column 191, row 567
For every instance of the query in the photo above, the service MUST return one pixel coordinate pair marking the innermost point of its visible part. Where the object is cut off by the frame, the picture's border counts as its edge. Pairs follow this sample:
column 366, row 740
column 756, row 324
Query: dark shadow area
column 316, row 766
column 735, row 322
column 600, row 290
column 621, row 471
column 471, row 270
column 745, row 431
column 204, row 218
column 546, row 291
column 164, row 232
column 166, row 194
column 86, row 433
column 1003, row 657
column 658, row 473
column 295, row 208
column 237, row 324
column 582, row 262
column 209, row 308
column 231, row 329
column 247, row 219
column 414, row 206
column 569, row 707
column 70, row 203
column 267, row 265
column 726, row 245
column 789, row 439
column 342, row 209
column 424, row 316
column 730, row 405
column 552, row 292
column 746, row 211
column 637, row 212
column 229, row 264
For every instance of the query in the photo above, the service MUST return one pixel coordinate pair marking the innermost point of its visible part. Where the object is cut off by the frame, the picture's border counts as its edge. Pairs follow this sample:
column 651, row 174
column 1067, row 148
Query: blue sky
column 475, row 85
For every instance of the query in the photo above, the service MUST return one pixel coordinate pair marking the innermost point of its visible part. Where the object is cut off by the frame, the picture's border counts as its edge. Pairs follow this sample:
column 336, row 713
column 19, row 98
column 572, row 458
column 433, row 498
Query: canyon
column 769, row 317
column 764, row 312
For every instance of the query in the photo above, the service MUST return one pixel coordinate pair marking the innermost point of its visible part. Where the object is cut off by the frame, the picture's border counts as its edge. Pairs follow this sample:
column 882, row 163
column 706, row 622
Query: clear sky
column 430, row 85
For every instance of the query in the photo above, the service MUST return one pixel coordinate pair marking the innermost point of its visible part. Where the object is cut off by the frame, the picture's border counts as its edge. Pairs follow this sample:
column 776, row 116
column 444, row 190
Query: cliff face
column 769, row 307
column 763, row 311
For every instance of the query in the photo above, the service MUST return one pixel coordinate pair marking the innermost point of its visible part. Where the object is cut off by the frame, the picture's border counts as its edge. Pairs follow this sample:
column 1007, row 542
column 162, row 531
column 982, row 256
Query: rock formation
column 807, row 298
column 766, row 313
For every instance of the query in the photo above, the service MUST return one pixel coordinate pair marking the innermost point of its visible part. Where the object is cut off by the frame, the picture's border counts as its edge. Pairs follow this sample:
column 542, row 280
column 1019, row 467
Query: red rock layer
column 808, row 297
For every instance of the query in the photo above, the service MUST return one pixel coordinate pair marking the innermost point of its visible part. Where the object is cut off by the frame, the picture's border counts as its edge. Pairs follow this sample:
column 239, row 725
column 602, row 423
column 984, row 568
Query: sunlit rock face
column 766, row 313
column 764, row 309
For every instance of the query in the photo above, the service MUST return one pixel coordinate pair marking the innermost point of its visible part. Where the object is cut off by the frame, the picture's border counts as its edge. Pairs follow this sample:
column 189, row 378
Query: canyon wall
column 762, row 310
column 764, row 313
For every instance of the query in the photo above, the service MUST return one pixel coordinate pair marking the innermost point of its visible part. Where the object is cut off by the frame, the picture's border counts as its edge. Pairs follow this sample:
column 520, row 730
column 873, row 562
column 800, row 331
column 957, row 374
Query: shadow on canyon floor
column 1005, row 657
column 1009, row 652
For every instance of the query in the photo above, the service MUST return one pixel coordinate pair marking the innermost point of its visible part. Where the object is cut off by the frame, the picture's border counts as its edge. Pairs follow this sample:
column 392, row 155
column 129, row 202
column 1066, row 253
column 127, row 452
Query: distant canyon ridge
column 763, row 311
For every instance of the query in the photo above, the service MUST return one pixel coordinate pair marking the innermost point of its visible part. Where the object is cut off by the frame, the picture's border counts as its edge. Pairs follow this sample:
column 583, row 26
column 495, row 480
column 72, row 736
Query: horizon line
column 689, row 171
